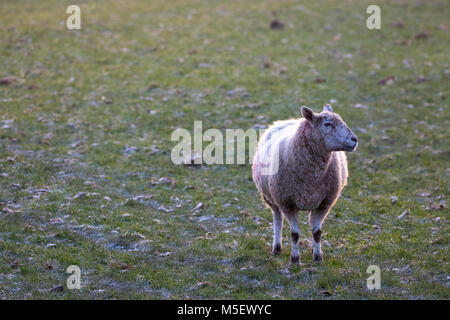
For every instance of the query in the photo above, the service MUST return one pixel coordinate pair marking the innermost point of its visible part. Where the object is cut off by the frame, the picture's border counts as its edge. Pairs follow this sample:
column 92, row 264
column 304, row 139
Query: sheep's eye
column 327, row 124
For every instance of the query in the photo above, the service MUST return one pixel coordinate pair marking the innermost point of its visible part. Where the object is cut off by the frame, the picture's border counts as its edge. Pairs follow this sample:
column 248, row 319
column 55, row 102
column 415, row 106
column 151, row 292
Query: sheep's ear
column 327, row 108
column 307, row 113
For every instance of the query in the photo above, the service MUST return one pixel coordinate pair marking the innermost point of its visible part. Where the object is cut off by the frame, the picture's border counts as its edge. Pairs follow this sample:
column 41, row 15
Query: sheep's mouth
column 350, row 147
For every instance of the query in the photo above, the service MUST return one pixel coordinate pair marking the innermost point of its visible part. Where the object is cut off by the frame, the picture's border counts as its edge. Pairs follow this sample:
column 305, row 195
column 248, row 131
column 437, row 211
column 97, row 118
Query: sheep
column 308, row 170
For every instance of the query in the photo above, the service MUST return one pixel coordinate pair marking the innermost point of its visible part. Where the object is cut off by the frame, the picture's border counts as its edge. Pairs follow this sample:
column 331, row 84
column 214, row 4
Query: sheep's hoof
column 276, row 251
column 295, row 260
column 317, row 257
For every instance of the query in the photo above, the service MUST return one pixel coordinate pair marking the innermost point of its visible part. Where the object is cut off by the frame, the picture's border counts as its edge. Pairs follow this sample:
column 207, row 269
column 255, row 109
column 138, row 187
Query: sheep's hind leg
column 295, row 235
column 316, row 218
column 277, row 230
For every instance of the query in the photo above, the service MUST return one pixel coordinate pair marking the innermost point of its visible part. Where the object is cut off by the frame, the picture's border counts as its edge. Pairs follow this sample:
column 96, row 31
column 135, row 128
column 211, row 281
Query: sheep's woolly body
column 305, row 177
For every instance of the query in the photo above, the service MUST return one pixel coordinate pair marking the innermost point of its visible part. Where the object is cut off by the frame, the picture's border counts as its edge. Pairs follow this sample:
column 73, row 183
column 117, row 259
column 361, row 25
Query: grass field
column 86, row 176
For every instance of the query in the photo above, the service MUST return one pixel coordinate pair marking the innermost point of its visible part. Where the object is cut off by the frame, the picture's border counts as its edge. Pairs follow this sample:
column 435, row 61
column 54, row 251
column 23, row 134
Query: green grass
column 160, row 65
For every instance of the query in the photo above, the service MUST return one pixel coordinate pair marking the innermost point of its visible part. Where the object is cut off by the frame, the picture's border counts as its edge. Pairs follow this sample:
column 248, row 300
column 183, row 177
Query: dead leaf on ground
column 162, row 208
column 106, row 100
column 320, row 80
column 57, row 289
column 266, row 65
column 204, row 284
column 138, row 235
column 244, row 212
column 360, row 106
column 6, row 81
column 404, row 214
column 153, row 86
column 8, row 210
column 406, row 42
column 388, row 80
column 162, row 180
column 276, row 24
column 82, row 195
column 326, row 293
column 14, row 264
column 311, row 270
column 198, row 206
column 422, row 78
column 422, row 35
column 164, row 254
column 439, row 206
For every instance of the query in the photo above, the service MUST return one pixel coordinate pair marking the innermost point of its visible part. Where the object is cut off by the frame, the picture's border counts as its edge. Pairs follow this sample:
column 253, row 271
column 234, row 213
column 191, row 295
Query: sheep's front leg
column 316, row 218
column 277, row 230
column 295, row 235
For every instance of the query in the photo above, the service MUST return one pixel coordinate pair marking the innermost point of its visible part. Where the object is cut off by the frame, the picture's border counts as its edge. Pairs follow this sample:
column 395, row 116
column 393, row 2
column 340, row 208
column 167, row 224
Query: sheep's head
column 331, row 129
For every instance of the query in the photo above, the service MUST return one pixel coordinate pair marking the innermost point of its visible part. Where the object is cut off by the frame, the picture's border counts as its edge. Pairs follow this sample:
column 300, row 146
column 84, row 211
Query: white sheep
column 308, row 171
